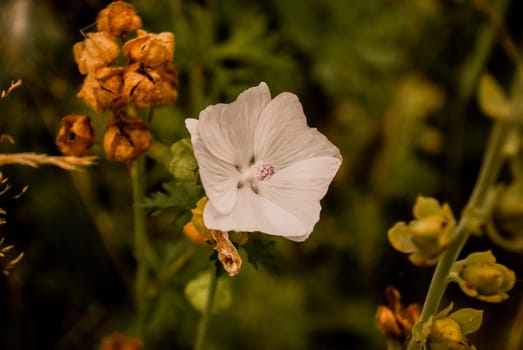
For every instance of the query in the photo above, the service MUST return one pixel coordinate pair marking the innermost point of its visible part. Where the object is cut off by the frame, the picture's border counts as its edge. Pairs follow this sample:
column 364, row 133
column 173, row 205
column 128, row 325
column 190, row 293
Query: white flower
column 262, row 168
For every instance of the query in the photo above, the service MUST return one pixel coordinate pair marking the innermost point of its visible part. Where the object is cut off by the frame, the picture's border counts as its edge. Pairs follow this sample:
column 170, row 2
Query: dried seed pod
column 141, row 86
column 76, row 136
column 126, row 138
column 150, row 49
column 101, row 90
column 95, row 51
column 168, row 92
column 118, row 18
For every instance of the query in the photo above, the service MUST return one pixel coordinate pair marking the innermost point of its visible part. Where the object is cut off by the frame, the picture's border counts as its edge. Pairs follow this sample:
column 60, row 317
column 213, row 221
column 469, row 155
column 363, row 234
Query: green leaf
column 468, row 319
column 197, row 291
column 260, row 251
column 175, row 195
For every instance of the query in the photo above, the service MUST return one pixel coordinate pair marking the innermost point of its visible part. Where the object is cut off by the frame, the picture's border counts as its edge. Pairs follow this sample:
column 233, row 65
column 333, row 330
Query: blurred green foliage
column 382, row 78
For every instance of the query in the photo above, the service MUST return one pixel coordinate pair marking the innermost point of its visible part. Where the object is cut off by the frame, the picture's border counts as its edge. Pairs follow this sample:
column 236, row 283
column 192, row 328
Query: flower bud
column 183, row 164
column 118, row 18
column 101, row 90
column 141, row 86
column 426, row 237
column 150, row 49
column 76, row 135
column 479, row 276
column 97, row 50
column 446, row 334
column 445, row 331
column 126, row 138
column 508, row 212
column 195, row 229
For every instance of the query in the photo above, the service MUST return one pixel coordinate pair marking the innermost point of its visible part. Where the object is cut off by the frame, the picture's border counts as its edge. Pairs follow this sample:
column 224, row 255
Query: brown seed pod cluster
column 146, row 78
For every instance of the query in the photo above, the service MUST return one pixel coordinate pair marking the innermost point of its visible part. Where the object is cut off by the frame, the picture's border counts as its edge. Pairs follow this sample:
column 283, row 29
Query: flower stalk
column 140, row 239
column 201, row 331
column 475, row 213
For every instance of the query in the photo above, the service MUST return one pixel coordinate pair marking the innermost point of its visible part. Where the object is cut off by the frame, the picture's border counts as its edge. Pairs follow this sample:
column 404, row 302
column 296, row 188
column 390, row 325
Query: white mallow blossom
column 262, row 167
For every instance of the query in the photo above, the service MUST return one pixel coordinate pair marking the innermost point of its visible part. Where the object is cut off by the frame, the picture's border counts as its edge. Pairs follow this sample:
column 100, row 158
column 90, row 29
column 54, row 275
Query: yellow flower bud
column 446, row 334
column 479, row 276
column 426, row 237
column 445, row 331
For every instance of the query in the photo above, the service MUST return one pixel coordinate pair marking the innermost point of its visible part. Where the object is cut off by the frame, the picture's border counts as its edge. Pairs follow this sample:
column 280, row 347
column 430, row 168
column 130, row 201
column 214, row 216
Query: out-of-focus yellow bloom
column 427, row 236
column 479, row 276
column 446, row 331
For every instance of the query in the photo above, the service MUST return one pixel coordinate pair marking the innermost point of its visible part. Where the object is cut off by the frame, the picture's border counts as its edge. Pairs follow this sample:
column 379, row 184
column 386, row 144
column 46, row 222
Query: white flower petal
column 300, row 187
column 255, row 213
column 219, row 178
column 283, row 137
column 192, row 125
column 227, row 130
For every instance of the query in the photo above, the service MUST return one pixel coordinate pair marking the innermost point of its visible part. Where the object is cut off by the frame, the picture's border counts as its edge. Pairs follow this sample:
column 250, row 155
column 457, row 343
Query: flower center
column 262, row 171
column 258, row 171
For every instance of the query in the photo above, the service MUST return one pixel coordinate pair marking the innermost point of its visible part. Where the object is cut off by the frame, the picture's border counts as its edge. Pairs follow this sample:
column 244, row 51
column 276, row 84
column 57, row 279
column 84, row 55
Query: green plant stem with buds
column 475, row 213
column 140, row 239
column 201, row 332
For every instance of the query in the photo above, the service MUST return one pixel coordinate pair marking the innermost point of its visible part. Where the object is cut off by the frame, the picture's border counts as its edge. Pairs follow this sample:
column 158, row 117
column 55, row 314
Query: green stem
column 474, row 215
column 201, row 332
column 140, row 239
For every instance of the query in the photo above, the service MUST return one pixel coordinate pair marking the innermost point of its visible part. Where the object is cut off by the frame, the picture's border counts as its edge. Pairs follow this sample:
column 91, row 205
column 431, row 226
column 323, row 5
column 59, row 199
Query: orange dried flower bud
column 76, row 136
column 101, row 90
column 141, row 86
column 394, row 319
column 126, row 138
column 120, row 342
column 95, row 51
column 150, row 49
column 118, row 18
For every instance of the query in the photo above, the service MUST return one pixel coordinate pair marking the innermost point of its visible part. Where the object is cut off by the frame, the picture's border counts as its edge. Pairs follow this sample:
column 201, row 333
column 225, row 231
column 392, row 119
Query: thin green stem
column 140, row 239
column 475, row 214
column 201, row 332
